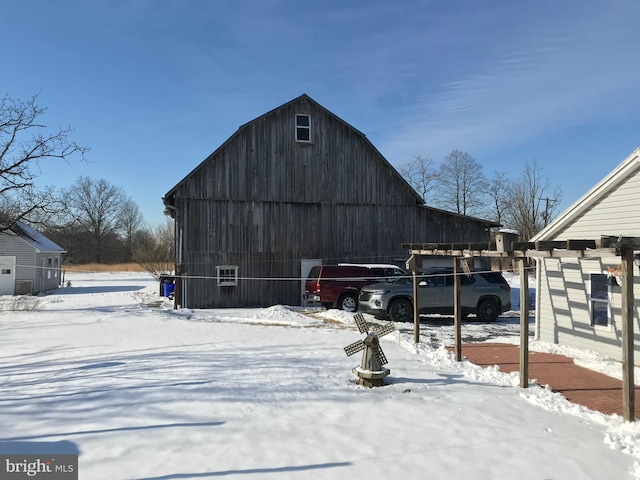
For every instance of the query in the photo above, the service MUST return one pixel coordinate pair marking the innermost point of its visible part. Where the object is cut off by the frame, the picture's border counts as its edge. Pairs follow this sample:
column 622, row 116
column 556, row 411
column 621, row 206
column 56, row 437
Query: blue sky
column 154, row 86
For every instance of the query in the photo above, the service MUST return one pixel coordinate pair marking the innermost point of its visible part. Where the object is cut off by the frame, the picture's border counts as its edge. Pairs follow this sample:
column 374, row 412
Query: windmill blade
column 355, row 347
column 388, row 328
column 377, row 351
column 360, row 322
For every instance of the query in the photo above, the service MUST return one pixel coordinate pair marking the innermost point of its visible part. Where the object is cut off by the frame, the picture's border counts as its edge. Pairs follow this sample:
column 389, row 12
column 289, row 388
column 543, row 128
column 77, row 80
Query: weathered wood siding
column 268, row 240
column 564, row 307
column 263, row 162
column 263, row 202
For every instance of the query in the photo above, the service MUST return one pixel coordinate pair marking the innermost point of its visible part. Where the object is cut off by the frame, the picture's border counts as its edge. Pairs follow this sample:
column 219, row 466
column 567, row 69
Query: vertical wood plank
column 457, row 309
column 415, row 269
column 628, row 382
column 523, row 264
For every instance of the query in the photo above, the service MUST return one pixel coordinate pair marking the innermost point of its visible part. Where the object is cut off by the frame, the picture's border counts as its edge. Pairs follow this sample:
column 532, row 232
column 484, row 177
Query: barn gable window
column 303, row 127
column 599, row 300
column 227, row 275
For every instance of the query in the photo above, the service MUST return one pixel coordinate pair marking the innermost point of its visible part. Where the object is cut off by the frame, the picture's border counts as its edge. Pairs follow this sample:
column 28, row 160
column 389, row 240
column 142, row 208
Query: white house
column 30, row 263
column 578, row 300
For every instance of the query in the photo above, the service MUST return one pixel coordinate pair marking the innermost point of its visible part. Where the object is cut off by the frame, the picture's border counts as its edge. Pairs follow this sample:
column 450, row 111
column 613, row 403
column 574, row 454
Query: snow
column 107, row 369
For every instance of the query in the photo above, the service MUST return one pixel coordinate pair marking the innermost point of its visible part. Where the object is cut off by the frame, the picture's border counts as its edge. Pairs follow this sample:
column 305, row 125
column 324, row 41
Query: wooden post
column 457, row 309
column 416, row 302
column 524, row 322
column 628, row 383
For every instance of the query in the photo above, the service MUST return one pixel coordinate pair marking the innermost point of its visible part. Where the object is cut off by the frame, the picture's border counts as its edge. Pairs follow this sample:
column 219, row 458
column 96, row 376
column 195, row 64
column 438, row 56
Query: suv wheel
column 487, row 311
column 348, row 302
column 401, row 310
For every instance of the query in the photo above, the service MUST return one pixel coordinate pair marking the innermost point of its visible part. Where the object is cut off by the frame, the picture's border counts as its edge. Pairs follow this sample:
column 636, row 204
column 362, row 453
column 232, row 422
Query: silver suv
column 485, row 294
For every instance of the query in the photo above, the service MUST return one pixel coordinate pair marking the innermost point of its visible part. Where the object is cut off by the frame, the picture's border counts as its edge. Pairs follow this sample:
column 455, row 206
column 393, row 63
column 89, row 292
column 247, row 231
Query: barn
column 579, row 299
column 30, row 263
column 293, row 188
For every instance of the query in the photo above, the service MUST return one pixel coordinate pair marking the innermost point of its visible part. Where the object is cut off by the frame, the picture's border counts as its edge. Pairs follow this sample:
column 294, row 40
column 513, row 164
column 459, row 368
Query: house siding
column 564, row 314
column 616, row 213
column 48, row 276
column 610, row 208
column 29, row 262
column 12, row 245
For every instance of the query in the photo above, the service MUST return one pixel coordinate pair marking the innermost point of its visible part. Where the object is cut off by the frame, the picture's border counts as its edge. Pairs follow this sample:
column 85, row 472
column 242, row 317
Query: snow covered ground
column 142, row 391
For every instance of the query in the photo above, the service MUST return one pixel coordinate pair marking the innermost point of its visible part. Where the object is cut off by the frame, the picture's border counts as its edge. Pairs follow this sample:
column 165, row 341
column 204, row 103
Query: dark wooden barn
column 295, row 187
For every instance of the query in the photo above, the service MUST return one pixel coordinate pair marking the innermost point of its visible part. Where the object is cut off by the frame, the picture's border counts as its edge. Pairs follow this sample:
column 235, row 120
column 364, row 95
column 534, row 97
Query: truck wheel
column 348, row 302
column 401, row 310
column 487, row 311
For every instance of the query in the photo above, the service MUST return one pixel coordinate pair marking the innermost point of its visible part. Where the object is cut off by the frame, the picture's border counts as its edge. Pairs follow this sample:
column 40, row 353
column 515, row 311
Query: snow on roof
column 36, row 239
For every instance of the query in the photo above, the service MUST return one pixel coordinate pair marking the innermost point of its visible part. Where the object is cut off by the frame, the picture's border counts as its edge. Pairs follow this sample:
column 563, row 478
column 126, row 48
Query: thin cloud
column 570, row 74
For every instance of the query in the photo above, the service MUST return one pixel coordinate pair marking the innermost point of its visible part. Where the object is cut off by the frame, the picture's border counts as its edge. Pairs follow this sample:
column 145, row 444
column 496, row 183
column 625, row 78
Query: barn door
column 7, row 275
column 305, row 267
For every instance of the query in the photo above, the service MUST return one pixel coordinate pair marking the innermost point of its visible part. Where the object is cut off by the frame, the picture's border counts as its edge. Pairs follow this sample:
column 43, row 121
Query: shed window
column 303, row 127
column 227, row 275
column 599, row 300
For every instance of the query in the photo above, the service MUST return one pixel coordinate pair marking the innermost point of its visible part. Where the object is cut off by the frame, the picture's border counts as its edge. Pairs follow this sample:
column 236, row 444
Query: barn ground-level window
column 303, row 127
column 599, row 300
column 227, row 275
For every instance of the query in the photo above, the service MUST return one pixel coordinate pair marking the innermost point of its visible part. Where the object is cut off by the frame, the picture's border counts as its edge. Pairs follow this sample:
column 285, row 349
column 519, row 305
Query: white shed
column 579, row 300
column 30, row 263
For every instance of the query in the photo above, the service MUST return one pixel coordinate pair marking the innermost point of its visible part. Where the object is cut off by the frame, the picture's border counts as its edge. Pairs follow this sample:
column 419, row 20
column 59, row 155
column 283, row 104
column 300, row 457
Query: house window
column 227, row 275
column 303, row 127
column 599, row 300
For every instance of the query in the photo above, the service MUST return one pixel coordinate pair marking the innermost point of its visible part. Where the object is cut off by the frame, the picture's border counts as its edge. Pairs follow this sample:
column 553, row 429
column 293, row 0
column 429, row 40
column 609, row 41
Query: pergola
column 522, row 253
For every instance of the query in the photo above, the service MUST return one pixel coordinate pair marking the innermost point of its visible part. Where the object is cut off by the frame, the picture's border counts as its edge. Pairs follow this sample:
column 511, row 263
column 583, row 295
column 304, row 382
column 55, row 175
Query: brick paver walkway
column 580, row 385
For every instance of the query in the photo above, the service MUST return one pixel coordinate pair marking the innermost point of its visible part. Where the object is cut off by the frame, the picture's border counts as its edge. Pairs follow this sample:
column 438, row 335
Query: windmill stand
column 371, row 372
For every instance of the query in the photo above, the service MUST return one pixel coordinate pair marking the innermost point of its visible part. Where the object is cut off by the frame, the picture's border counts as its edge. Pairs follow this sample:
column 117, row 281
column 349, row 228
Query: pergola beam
column 607, row 246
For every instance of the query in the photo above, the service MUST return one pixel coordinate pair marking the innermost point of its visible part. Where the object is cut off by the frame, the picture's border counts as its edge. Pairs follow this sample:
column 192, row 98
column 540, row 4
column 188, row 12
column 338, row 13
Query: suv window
column 493, row 277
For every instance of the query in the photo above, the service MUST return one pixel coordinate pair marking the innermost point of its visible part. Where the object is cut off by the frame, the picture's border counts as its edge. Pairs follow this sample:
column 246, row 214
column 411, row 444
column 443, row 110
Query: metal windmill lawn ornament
column 371, row 371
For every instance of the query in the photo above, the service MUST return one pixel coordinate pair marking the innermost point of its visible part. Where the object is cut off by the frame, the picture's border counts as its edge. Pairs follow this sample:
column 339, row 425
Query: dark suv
column 485, row 294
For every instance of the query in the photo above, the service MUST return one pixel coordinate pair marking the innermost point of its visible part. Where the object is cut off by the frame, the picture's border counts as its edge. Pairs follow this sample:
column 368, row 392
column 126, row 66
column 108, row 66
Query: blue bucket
column 168, row 288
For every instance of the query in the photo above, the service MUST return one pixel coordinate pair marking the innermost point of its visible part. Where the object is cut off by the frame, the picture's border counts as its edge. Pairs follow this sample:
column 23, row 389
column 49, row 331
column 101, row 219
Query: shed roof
column 36, row 239
column 617, row 176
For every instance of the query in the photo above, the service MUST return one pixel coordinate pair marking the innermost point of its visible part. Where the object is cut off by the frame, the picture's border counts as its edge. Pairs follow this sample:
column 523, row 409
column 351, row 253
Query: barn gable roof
column 616, row 177
column 167, row 198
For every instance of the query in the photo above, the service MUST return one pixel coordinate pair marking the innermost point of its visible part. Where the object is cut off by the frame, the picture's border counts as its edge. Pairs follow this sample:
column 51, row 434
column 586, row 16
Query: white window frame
column 303, row 127
column 607, row 301
column 227, row 275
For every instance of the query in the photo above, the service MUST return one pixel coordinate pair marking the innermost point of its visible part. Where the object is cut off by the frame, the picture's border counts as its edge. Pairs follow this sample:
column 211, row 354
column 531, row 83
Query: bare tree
column 22, row 147
column 532, row 201
column 461, row 184
column 420, row 173
column 154, row 249
column 497, row 191
column 131, row 221
column 95, row 207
